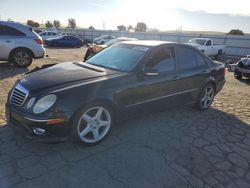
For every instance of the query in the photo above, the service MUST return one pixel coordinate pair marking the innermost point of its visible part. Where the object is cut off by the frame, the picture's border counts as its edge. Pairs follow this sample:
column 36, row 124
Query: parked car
column 67, row 34
column 48, row 34
column 94, row 48
column 64, row 41
column 85, row 98
column 19, row 44
column 241, row 68
column 103, row 39
column 38, row 30
column 207, row 46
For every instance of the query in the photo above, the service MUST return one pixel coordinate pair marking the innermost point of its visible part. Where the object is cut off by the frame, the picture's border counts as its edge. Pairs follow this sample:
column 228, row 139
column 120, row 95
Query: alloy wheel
column 22, row 58
column 208, row 96
column 94, row 124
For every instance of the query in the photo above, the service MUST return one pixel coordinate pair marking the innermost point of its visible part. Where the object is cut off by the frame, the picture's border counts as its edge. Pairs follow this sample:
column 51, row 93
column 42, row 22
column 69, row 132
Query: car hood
column 58, row 75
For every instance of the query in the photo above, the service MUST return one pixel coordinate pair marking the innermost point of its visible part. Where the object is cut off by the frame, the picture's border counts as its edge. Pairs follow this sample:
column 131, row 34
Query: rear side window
column 186, row 57
column 200, row 60
column 163, row 60
column 9, row 31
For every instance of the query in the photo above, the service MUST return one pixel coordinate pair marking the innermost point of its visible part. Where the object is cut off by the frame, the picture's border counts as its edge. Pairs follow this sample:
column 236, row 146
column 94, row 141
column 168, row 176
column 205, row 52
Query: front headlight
column 44, row 103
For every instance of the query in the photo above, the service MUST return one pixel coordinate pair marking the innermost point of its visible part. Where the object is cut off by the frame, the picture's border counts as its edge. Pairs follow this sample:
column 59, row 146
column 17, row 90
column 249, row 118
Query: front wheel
column 92, row 123
column 206, row 97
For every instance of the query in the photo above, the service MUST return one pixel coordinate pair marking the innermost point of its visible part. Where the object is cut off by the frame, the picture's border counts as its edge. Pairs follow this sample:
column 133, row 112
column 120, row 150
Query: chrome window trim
column 162, row 97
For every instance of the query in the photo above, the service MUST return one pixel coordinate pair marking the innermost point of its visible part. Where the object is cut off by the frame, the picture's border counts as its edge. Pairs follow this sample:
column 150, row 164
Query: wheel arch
column 108, row 102
column 17, row 48
column 212, row 81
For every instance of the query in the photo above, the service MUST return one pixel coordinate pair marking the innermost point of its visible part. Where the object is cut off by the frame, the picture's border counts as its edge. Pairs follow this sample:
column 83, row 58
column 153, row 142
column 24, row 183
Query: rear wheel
column 238, row 75
column 21, row 57
column 92, row 123
column 206, row 97
column 219, row 55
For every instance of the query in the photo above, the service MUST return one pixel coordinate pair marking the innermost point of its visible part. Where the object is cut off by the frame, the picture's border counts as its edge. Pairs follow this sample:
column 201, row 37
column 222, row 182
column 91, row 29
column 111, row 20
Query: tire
column 21, row 57
column 206, row 97
column 92, row 124
column 219, row 55
column 238, row 75
column 102, row 43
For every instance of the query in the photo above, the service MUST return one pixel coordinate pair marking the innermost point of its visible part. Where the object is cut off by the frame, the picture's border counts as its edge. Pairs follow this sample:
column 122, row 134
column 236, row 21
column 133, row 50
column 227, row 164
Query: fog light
column 38, row 131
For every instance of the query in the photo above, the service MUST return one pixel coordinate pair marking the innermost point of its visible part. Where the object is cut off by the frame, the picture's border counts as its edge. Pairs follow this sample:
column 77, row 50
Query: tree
column 141, row 27
column 91, row 28
column 121, row 28
column 48, row 24
column 130, row 27
column 235, row 32
column 57, row 23
column 32, row 23
column 72, row 23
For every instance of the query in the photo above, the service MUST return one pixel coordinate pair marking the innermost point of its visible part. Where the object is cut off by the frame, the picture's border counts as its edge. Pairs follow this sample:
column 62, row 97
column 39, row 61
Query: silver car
column 19, row 44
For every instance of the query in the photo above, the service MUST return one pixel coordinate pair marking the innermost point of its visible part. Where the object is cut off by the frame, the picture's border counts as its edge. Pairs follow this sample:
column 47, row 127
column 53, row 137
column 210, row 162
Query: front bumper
column 55, row 129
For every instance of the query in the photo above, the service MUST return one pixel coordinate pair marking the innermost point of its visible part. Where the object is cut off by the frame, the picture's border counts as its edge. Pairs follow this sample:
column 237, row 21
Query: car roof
column 15, row 24
column 150, row 43
column 202, row 38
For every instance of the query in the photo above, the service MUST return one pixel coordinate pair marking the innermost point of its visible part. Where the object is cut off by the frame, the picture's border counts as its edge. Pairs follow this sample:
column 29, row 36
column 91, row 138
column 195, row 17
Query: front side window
column 209, row 43
column 9, row 31
column 119, row 57
column 163, row 60
column 186, row 58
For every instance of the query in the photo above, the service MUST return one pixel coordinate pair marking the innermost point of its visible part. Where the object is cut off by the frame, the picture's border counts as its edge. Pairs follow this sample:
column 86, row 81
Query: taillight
column 39, row 41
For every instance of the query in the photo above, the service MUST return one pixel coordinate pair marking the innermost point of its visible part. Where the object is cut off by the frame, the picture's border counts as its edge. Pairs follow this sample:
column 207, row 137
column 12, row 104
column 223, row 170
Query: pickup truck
column 207, row 46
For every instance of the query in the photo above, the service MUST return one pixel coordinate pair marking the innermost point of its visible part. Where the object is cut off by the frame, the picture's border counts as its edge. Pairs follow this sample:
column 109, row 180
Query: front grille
column 19, row 95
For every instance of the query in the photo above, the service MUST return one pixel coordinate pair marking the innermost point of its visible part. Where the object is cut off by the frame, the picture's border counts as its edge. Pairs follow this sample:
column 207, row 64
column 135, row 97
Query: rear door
column 192, row 72
column 8, row 38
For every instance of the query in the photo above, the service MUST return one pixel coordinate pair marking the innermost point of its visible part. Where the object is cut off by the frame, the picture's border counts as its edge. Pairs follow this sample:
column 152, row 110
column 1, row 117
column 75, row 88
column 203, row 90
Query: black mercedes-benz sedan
column 82, row 100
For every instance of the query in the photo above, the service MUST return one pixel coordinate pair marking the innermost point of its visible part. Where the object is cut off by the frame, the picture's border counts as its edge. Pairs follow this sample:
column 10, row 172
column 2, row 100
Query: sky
column 196, row 15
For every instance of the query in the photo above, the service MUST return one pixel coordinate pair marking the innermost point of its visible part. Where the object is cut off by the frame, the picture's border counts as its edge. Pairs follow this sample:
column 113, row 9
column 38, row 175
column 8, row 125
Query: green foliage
column 91, row 28
column 33, row 23
column 57, row 23
column 72, row 23
column 130, row 27
column 48, row 24
column 121, row 28
column 141, row 26
column 235, row 32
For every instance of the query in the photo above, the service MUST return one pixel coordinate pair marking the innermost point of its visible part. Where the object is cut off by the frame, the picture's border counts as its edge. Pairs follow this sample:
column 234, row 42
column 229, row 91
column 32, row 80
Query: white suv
column 19, row 44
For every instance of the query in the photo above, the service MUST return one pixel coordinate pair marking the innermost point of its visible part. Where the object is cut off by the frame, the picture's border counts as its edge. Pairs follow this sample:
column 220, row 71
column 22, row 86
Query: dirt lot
column 180, row 147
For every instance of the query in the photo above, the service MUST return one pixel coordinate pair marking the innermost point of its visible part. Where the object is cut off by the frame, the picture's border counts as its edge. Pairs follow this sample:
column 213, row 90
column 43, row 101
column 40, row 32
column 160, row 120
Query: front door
column 148, row 89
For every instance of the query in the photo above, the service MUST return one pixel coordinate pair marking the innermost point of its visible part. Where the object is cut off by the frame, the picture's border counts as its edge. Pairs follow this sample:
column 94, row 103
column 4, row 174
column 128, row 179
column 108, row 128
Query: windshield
column 197, row 41
column 119, row 57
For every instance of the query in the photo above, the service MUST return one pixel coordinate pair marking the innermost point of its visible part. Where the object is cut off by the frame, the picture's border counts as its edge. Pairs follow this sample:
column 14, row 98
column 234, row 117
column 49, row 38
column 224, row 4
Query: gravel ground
column 181, row 147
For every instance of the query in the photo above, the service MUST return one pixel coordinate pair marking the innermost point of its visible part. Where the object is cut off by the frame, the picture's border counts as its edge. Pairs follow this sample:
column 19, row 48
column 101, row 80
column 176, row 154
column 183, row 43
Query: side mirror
column 150, row 72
